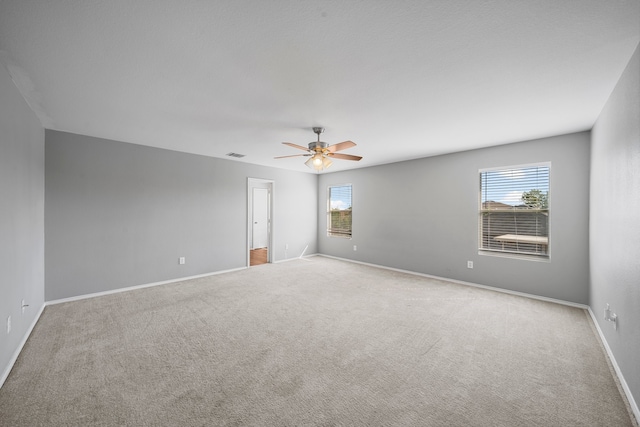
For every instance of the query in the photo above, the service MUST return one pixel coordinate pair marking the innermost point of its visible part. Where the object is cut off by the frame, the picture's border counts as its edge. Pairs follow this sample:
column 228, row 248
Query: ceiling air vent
column 236, row 155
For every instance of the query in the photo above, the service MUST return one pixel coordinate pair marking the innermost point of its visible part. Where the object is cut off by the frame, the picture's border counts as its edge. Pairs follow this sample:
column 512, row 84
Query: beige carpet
column 315, row 342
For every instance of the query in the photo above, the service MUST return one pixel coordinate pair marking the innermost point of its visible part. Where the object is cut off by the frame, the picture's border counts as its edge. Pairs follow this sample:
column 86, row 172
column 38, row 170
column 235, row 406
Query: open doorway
column 259, row 215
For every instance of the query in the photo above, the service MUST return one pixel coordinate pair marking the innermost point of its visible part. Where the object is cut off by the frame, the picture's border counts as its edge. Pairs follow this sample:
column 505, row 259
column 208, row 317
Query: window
column 339, row 211
column 514, row 210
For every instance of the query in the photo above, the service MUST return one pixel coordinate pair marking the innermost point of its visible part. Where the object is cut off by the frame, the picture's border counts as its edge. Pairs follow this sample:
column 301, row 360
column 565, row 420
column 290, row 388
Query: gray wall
column 21, row 217
column 615, row 221
column 120, row 215
column 422, row 216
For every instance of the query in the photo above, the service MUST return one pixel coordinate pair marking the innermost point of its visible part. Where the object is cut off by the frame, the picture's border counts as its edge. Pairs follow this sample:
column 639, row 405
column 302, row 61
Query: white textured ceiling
column 401, row 78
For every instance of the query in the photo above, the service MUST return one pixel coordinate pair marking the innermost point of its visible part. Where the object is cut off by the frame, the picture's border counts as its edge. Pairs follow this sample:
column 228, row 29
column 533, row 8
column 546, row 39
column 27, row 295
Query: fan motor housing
column 317, row 145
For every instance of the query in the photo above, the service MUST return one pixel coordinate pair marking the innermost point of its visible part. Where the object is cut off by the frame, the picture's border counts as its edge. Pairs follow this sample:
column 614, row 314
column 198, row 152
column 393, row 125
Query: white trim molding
column 460, row 282
column 14, row 358
column 133, row 288
column 304, row 258
column 623, row 383
column 633, row 406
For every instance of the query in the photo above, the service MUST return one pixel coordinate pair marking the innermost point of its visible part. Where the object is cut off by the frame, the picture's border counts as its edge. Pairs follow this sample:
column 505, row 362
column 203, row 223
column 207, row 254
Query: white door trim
column 270, row 185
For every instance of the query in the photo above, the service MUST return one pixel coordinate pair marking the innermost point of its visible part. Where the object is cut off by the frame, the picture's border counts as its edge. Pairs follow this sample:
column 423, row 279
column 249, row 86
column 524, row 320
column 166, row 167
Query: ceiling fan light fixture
column 309, row 162
column 319, row 152
column 318, row 162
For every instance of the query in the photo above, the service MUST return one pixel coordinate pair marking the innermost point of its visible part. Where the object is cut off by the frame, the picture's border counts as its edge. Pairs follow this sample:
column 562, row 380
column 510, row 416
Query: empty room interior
column 320, row 213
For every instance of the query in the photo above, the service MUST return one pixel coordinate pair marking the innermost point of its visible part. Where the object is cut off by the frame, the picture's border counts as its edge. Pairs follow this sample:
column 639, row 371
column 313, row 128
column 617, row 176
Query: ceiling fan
column 321, row 153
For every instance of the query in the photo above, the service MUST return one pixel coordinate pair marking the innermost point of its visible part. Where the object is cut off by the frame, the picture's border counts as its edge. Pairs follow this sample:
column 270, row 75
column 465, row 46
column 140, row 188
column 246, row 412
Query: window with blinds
column 514, row 210
column 339, row 211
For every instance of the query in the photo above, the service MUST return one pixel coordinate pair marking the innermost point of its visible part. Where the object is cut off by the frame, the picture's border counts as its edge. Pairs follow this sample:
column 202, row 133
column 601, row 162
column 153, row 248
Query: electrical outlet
column 182, row 260
column 23, row 306
column 9, row 324
column 469, row 264
column 355, row 248
column 286, row 246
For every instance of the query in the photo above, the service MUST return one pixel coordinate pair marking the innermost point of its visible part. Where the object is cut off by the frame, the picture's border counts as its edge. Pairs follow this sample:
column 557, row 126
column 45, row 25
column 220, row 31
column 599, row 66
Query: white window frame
column 337, row 234
column 542, row 252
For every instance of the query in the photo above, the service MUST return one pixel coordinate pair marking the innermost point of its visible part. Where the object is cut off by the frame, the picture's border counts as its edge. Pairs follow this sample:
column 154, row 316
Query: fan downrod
column 318, row 145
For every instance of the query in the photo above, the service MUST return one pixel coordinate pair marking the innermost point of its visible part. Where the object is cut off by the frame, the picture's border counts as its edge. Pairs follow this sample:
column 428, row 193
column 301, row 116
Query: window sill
column 525, row 257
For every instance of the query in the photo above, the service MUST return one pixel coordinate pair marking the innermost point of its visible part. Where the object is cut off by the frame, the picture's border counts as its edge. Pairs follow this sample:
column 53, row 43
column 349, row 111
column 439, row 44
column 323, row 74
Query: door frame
column 261, row 218
column 269, row 184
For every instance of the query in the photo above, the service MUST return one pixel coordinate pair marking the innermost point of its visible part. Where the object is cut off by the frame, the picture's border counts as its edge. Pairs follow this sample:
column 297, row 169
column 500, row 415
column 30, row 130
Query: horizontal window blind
column 339, row 218
column 514, row 210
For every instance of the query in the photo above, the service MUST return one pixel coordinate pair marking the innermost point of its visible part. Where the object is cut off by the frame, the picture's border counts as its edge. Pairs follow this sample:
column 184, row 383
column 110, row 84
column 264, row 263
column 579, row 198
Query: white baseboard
column 164, row 282
column 616, row 368
column 295, row 258
column 132, row 288
column 5, row 373
column 16, row 353
column 623, row 383
column 460, row 282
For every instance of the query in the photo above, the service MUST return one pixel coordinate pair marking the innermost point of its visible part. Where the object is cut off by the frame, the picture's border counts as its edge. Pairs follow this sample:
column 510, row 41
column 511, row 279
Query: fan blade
column 300, row 147
column 343, row 156
column 295, row 155
column 341, row 146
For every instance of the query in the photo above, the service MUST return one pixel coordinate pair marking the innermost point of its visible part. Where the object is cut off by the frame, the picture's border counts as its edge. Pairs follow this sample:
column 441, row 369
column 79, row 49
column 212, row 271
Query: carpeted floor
column 312, row 342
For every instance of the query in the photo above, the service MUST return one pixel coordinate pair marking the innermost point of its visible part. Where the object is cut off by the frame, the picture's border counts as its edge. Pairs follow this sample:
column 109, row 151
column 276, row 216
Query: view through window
column 514, row 210
column 339, row 211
